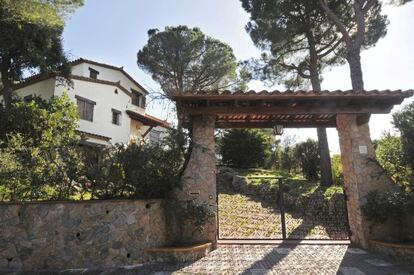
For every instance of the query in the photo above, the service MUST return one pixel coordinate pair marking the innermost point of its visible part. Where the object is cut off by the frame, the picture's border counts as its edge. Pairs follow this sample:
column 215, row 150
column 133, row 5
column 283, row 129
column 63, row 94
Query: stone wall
column 198, row 181
column 399, row 251
column 60, row 235
column 362, row 173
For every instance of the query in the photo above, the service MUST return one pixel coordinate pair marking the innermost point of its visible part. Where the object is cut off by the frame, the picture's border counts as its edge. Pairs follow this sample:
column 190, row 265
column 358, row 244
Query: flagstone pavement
column 269, row 259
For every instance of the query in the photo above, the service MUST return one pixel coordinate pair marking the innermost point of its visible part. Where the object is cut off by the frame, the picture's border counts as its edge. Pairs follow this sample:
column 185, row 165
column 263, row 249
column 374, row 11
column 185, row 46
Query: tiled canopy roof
column 148, row 120
column 288, row 93
column 291, row 108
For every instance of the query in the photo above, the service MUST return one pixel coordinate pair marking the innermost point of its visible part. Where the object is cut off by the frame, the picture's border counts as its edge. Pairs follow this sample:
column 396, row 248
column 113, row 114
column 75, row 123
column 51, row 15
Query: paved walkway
column 271, row 259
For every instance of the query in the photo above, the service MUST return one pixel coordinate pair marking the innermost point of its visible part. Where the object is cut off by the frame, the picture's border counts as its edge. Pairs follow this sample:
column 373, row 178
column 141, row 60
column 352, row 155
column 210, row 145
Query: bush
column 337, row 173
column 192, row 212
column 308, row 157
column 389, row 151
column 379, row 207
column 244, row 148
column 404, row 122
column 40, row 159
column 136, row 171
column 53, row 121
column 38, row 154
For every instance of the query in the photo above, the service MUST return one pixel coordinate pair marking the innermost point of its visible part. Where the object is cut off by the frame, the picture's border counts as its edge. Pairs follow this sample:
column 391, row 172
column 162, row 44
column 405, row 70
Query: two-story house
column 111, row 104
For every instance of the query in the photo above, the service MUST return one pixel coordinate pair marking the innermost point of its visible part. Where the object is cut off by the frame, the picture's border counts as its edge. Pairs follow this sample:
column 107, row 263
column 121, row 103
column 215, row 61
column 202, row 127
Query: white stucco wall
column 113, row 76
column 44, row 89
column 106, row 74
column 106, row 99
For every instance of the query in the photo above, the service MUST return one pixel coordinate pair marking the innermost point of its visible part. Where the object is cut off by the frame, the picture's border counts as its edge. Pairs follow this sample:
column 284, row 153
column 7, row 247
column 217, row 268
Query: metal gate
column 263, row 212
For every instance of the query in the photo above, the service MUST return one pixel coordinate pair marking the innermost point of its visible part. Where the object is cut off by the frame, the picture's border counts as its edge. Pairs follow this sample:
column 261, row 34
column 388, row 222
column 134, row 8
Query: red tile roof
column 290, row 108
column 121, row 69
column 148, row 120
column 246, row 95
column 43, row 76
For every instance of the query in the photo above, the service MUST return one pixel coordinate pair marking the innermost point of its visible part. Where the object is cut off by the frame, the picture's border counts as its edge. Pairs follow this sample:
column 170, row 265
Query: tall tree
column 51, row 13
column 299, row 43
column 361, row 25
column 30, row 39
column 404, row 122
column 185, row 59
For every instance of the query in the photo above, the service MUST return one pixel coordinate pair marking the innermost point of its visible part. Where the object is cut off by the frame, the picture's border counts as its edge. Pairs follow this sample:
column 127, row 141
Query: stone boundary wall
column 62, row 235
column 394, row 250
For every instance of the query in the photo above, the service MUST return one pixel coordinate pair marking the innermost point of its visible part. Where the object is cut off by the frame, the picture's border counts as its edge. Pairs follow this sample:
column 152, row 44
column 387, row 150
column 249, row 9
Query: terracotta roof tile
column 43, row 76
column 121, row 69
column 148, row 120
column 291, row 93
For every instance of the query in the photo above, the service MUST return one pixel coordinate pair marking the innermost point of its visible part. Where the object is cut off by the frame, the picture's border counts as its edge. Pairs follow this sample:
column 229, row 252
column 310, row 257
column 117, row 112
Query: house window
column 116, row 117
column 138, row 99
column 143, row 102
column 135, row 99
column 93, row 73
column 85, row 108
column 28, row 98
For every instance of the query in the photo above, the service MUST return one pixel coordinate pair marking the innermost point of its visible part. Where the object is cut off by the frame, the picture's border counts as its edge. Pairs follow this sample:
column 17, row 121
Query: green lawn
column 297, row 185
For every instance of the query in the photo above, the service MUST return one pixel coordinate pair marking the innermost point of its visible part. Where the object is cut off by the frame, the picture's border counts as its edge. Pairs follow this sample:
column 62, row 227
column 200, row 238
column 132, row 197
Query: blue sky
column 113, row 31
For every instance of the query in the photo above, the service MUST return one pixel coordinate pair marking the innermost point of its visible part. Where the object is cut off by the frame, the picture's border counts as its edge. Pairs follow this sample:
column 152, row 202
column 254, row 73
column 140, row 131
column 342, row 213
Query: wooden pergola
column 348, row 111
column 292, row 109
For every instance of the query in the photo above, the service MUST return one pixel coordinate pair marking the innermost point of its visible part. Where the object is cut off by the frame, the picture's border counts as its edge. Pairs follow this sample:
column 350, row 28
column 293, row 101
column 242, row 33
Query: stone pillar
column 199, row 179
column 361, row 173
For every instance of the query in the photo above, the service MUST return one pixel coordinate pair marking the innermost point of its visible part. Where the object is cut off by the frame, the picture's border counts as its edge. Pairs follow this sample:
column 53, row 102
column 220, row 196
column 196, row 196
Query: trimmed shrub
column 380, row 207
column 308, row 157
column 244, row 148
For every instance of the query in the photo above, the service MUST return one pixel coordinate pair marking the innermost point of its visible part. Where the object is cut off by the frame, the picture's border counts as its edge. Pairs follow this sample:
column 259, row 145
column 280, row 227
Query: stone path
column 270, row 259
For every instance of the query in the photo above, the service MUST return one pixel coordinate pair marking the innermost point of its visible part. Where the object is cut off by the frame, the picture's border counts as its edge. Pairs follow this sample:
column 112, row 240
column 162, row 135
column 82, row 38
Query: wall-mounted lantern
column 278, row 130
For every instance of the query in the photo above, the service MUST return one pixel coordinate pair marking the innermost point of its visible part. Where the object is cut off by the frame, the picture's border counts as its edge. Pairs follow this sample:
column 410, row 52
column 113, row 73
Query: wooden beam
column 257, row 110
column 147, row 132
column 270, row 124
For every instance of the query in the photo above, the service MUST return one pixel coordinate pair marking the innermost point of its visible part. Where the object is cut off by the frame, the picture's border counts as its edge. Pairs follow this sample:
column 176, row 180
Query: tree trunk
column 354, row 60
column 325, row 158
column 7, row 97
column 323, row 147
column 7, row 93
